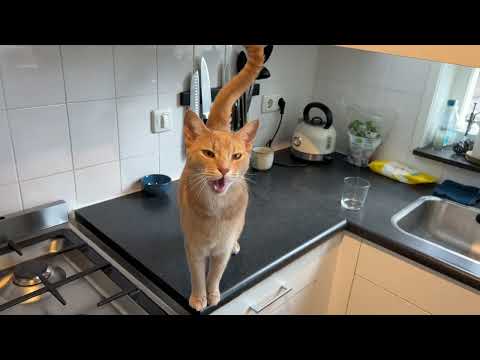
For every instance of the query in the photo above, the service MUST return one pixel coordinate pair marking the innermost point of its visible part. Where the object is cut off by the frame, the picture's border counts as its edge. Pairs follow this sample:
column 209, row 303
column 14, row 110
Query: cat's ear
column 193, row 127
column 247, row 132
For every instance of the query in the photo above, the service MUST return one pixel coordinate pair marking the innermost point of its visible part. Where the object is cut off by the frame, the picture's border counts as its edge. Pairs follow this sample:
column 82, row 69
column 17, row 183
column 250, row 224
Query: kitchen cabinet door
column 343, row 276
column 369, row 299
column 268, row 296
column 428, row 289
column 466, row 55
column 308, row 301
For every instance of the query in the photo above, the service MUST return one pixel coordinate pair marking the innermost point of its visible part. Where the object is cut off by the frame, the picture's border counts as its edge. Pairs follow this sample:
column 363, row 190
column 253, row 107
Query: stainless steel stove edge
column 157, row 295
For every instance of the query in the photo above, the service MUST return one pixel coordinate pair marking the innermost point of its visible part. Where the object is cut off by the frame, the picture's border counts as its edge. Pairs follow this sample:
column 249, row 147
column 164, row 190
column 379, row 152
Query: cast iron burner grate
column 38, row 269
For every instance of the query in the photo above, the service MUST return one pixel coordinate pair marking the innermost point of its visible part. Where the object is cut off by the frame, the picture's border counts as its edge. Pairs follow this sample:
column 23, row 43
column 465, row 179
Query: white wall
column 347, row 77
column 292, row 69
column 74, row 120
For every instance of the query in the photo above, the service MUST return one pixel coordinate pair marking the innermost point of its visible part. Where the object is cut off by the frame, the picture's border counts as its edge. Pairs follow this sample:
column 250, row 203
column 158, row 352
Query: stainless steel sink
column 446, row 224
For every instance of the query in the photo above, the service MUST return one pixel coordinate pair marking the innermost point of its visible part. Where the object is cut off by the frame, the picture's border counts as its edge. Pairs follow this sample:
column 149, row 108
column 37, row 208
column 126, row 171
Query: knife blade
column 226, row 74
column 195, row 93
column 205, row 88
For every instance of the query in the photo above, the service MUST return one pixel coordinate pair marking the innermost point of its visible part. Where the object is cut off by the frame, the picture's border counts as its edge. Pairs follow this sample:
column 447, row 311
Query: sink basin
column 454, row 227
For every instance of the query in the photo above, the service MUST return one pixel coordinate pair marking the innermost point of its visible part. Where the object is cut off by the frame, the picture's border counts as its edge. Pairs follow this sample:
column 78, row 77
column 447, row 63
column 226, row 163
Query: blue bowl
column 156, row 184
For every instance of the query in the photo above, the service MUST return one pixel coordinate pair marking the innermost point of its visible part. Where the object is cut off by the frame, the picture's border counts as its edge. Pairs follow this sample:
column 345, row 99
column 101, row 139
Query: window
column 470, row 96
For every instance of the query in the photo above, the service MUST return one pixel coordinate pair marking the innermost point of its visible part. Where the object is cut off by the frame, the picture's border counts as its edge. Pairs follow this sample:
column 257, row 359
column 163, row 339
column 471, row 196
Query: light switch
column 160, row 121
column 166, row 123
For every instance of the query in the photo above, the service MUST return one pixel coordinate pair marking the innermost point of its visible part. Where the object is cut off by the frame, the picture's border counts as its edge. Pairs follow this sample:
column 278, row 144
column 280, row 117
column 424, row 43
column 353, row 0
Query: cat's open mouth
column 220, row 185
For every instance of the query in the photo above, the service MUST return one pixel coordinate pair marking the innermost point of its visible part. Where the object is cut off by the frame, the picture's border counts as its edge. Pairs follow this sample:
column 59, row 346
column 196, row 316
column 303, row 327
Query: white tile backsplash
column 8, row 172
column 172, row 161
column 97, row 183
column 110, row 90
column 407, row 74
column 136, row 137
column 135, row 70
column 49, row 189
column 394, row 84
column 2, row 98
column 397, row 142
column 88, row 72
column 175, row 63
column 10, row 199
column 41, row 139
column 133, row 169
column 94, row 132
column 32, row 75
column 174, row 137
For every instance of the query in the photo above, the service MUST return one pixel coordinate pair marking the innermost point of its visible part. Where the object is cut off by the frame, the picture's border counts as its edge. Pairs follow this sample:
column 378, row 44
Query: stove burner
column 28, row 273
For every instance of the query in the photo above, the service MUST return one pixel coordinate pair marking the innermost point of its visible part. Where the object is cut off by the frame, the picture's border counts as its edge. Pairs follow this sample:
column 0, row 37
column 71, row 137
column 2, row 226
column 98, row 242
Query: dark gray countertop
column 291, row 210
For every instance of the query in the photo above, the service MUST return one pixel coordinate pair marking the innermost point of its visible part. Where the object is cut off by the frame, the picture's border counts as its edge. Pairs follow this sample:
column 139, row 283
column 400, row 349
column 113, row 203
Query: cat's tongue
column 219, row 185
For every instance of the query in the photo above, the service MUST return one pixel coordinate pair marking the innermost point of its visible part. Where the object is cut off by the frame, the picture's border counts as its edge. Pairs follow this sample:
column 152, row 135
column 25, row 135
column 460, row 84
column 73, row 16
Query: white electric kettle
column 314, row 138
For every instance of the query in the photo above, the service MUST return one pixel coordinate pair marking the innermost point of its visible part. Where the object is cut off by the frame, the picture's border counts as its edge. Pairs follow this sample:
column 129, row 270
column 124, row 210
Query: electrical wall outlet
column 160, row 121
column 270, row 103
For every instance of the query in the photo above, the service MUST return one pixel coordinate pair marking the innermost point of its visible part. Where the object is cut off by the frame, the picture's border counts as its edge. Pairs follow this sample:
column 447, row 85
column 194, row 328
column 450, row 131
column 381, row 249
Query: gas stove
column 49, row 267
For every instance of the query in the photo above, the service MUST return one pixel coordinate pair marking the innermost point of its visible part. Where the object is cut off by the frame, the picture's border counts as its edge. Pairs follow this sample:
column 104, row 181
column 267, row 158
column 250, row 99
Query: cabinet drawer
column 318, row 264
column 424, row 287
column 305, row 302
column 369, row 299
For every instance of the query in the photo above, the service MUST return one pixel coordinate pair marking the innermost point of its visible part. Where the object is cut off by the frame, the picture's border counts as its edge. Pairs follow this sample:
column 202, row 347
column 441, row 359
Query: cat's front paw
column 236, row 248
column 213, row 297
column 197, row 302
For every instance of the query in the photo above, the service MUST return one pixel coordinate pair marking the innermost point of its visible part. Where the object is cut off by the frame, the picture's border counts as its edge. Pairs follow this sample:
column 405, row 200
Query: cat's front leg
column 198, row 267
column 218, row 263
column 236, row 248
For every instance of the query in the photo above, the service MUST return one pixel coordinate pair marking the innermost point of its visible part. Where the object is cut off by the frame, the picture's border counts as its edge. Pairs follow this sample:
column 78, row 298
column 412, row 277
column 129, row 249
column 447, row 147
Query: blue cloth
column 463, row 194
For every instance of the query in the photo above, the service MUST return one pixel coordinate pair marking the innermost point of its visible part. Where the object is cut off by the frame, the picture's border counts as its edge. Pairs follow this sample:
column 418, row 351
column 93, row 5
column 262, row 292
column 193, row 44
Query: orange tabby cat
column 213, row 194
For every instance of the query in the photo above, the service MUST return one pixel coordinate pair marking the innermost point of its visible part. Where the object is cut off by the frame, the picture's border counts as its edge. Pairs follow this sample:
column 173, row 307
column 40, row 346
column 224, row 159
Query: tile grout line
column 159, row 143
column 116, row 118
column 69, row 127
column 10, row 135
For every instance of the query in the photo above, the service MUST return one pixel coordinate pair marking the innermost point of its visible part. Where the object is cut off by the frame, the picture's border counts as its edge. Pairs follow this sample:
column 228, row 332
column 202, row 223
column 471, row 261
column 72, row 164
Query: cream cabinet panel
column 466, row 55
column 308, row 301
column 422, row 286
column 344, row 272
column 369, row 299
column 315, row 266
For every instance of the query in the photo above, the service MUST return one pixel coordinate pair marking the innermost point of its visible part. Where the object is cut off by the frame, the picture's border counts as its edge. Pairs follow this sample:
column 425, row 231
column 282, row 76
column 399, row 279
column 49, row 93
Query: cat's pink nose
column 223, row 170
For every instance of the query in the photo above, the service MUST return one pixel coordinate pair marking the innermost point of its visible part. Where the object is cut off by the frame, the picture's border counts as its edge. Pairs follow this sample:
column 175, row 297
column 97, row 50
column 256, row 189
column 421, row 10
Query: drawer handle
column 285, row 291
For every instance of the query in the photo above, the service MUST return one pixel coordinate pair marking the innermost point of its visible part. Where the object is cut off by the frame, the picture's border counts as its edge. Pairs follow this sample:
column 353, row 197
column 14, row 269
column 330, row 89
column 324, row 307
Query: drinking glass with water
column 355, row 190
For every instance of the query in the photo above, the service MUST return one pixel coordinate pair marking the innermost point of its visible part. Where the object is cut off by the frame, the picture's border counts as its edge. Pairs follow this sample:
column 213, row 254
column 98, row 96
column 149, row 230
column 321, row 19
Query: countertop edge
column 281, row 262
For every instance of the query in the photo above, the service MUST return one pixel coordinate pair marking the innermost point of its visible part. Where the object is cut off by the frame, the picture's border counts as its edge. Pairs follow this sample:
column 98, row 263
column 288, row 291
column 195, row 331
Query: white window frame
column 466, row 102
column 443, row 83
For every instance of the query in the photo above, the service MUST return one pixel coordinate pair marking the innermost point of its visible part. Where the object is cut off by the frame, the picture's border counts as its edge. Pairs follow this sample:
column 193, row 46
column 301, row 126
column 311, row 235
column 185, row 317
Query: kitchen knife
column 226, row 74
column 195, row 93
column 205, row 88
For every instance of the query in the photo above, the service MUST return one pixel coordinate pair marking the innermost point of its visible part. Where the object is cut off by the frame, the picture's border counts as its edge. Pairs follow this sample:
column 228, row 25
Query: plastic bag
column 400, row 172
column 365, row 133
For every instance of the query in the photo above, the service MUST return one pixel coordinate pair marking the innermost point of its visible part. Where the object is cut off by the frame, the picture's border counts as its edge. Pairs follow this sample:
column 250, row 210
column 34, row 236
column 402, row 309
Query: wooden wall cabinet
column 466, row 55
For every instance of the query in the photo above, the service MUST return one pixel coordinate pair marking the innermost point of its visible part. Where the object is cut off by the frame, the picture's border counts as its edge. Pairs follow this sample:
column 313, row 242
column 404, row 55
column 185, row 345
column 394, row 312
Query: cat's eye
column 208, row 153
column 236, row 156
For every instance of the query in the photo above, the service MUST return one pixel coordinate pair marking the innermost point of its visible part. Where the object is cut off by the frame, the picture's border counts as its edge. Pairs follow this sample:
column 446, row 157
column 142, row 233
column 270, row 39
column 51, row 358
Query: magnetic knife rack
column 185, row 95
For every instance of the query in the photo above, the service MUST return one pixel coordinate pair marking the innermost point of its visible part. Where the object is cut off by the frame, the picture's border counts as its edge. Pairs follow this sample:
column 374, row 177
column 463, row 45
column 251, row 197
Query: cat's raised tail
column 221, row 111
